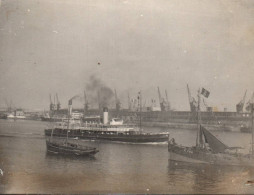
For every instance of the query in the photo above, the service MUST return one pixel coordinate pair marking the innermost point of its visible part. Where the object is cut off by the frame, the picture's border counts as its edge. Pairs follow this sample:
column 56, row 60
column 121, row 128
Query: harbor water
column 117, row 168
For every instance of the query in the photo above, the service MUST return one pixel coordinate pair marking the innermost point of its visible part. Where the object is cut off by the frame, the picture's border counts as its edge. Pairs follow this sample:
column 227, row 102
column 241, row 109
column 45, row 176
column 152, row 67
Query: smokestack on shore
column 105, row 115
column 70, row 107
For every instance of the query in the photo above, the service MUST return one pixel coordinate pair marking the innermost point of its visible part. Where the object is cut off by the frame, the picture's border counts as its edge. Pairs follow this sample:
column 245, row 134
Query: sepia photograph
column 126, row 96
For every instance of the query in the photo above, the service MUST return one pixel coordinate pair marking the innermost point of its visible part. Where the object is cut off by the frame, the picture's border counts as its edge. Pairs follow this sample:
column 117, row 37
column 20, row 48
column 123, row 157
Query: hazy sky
column 49, row 46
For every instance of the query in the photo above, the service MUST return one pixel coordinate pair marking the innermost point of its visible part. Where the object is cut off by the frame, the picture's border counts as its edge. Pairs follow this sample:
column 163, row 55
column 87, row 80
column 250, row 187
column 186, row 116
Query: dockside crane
column 153, row 103
column 86, row 104
column 168, row 104
column 133, row 104
column 54, row 102
column 9, row 105
column 58, row 105
column 161, row 101
column 248, row 104
column 129, row 101
column 51, row 105
column 239, row 106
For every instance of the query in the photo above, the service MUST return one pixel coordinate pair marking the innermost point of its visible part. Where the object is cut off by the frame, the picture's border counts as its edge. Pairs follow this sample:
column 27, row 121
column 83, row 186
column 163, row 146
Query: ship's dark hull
column 197, row 156
column 110, row 136
column 67, row 150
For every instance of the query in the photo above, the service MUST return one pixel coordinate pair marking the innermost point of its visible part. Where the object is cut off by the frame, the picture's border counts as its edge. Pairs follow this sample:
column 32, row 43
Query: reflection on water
column 210, row 178
column 118, row 167
column 73, row 158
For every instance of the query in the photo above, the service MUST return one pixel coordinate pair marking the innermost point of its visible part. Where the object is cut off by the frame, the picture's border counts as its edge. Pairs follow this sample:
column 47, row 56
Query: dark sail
column 215, row 144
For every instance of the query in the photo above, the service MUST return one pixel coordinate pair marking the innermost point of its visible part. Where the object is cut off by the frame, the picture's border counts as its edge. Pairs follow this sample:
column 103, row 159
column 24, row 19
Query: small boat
column 68, row 148
column 208, row 150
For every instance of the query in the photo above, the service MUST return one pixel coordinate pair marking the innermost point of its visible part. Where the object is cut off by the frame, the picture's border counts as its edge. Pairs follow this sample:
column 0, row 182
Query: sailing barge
column 208, row 150
column 211, row 151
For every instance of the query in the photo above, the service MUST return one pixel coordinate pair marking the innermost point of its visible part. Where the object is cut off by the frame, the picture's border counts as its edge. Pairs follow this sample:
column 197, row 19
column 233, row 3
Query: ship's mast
column 239, row 106
column 198, row 140
column 86, row 104
column 69, row 115
column 252, row 136
column 189, row 96
column 244, row 97
column 99, row 100
column 51, row 103
column 140, row 109
column 51, row 136
column 129, row 101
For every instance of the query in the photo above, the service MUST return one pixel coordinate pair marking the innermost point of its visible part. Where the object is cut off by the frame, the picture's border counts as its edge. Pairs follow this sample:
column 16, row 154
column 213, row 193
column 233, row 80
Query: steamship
column 113, row 130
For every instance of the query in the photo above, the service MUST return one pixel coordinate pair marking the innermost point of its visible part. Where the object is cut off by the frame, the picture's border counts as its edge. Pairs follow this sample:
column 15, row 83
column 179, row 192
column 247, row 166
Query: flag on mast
column 205, row 92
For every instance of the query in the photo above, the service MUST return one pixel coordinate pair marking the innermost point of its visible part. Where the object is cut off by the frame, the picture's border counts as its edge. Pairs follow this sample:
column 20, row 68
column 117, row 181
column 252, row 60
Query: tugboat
column 209, row 149
column 68, row 148
column 113, row 131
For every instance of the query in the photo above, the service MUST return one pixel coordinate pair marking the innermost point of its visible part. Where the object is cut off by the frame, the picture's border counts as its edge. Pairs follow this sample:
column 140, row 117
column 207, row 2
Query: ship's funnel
column 105, row 115
column 70, row 107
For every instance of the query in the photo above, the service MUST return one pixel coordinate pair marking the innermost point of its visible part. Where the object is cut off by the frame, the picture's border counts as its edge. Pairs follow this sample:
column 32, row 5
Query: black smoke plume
column 98, row 93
